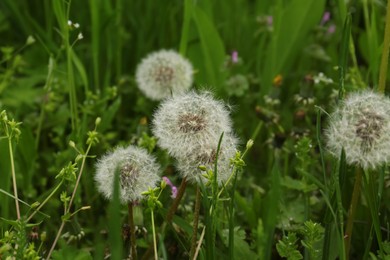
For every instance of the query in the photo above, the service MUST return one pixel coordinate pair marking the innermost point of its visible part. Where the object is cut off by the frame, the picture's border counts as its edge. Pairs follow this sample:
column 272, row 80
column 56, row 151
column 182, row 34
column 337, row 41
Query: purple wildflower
column 331, row 29
column 173, row 187
column 325, row 18
column 270, row 20
column 235, row 56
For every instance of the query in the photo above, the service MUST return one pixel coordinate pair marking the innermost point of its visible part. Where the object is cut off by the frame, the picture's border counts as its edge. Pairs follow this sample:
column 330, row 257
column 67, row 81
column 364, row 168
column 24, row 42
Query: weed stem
column 385, row 53
column 352, row 210
column 11, row 156
column 195, row 224
column 154, row 236
column 176, row 202
column 133, row 244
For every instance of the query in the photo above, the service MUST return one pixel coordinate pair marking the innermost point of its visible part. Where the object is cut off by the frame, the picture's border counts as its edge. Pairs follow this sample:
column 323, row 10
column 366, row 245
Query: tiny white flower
column 361, row 125
column 189, row 121
column 164, row 73
column 70, row 23
column 76, row 25
column 80, row 36
column 205, row 156
column 138, row 171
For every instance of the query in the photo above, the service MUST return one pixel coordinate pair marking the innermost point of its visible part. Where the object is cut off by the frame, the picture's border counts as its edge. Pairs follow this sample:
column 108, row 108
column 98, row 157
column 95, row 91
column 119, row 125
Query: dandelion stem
column 352, row 210
column 195, row 224
column 385, row 53
column 154, row 236
column 133, row 244
column 176, row 202
column 11, row 156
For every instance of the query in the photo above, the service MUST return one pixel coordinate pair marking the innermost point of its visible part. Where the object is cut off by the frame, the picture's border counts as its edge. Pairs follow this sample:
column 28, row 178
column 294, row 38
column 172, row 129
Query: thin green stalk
column 118, row 47
column 70, row 202
column 344, row 54
column 352, row 210
column 186, row 26
column 257, row 130
column 340, row 209
column 320, row 147
column 195, row 223
column 11, row 156
column 133, row 244
column 199, row 244
column 154, row 236
column 62, row 19
column 231, row 219
column 171, row 212
column 371, row 193
column 45, row 201
column 385, row 53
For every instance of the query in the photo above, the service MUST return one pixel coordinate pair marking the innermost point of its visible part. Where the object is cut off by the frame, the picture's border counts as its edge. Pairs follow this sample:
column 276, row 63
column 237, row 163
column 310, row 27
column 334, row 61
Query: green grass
column 58, row 85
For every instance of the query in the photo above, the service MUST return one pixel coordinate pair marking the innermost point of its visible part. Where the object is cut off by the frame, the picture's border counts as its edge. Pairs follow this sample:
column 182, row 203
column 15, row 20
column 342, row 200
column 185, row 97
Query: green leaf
column 71, row 253
column 212, row 47
column 241, row 248
column 287, row 247
column 292, row 23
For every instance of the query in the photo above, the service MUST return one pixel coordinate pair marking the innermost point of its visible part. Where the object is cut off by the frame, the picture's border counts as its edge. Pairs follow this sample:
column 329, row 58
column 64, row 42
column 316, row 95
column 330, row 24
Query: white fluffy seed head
column 361, row 125
column 138, row 171
column 190, row 121
column 164, row 73
column 188, row 166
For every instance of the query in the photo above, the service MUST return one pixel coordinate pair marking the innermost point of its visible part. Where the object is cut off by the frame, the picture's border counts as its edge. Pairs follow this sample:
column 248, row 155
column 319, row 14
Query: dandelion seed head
column 361, row 125
column 164, row 73
column 188, row 121
column 138, row 171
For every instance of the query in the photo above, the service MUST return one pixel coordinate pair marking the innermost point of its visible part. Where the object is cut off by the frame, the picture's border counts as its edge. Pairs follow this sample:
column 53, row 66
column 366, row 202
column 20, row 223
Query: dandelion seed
column 164, row 73
column 137, row 173
column 361, row 125
column 188, row 166
column 190, row 121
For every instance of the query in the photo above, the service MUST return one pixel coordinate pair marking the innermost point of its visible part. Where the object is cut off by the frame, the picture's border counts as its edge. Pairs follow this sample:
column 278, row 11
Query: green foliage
column 288, row 248
column 56, row 87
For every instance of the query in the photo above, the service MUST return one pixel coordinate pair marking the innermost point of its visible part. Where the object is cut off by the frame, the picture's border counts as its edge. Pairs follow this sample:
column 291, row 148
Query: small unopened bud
column 35, row 205
column 249, row 144
column 202, row 168
column 72, row 144
column 30, row 40
column 78, row 157
column 163, row 184
column 43, row 236
column 97, row 121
